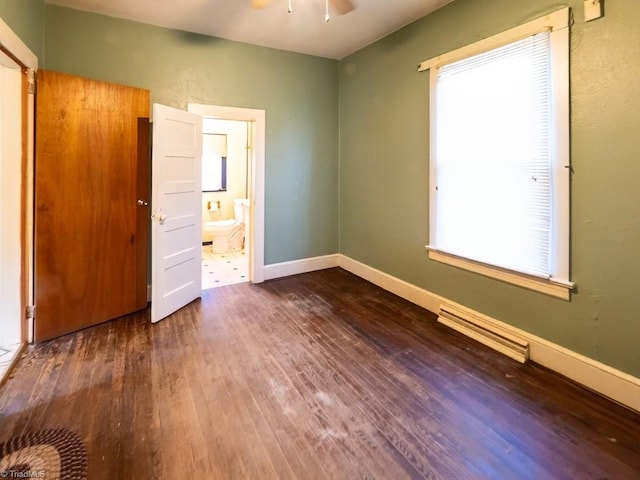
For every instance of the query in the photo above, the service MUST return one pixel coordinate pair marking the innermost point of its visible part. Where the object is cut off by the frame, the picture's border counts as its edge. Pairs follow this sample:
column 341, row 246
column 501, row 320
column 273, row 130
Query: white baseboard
column 614, row 384
column 295, row 267
column 403, row 289
column 10, row 359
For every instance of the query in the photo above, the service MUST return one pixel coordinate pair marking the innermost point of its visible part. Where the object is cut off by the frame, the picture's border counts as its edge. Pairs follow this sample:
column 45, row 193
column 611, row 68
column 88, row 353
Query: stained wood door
column 177, row 210
column 90, row 233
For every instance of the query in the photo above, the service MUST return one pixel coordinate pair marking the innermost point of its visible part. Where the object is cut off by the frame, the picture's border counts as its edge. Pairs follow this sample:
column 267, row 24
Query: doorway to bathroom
column 226, row 175
column 232, row 195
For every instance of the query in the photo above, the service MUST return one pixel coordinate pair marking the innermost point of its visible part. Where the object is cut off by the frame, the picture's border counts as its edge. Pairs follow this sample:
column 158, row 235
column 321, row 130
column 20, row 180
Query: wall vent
column 482, row 329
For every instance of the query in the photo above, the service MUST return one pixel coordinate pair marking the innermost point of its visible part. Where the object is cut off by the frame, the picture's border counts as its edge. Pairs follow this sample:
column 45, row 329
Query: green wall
column 384, row 150
column 379, row 214
column 298, row 92
column 25, row 17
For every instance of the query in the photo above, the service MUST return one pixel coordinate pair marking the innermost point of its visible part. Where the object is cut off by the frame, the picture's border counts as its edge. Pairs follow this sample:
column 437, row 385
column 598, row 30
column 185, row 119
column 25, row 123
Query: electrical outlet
column 592, row 10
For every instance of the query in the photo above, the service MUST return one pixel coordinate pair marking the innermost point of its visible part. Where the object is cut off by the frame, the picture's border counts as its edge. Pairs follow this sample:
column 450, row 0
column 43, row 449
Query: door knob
column 162, row 218
column 142, row 203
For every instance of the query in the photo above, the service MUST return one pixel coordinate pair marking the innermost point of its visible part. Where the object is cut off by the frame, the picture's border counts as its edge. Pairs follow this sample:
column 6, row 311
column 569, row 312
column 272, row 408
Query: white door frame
column 256, row 188
column 10, row 202
column 18, row 278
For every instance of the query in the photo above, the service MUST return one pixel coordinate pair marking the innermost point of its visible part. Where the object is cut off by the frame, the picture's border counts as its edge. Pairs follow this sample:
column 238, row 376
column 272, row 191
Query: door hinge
column 31, row 322
column 31, row 82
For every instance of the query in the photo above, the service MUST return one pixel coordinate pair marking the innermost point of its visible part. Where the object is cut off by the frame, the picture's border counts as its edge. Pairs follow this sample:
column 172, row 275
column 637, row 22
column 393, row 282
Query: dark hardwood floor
column 317, row 376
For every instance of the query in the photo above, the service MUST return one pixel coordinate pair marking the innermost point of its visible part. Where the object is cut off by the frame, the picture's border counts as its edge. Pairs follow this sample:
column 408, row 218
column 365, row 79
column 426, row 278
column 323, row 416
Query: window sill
column 556, row 289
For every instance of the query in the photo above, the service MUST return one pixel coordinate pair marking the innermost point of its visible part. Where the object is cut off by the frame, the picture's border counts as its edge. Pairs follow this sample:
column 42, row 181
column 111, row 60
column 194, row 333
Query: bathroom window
column 214, row 162
column 499, row 171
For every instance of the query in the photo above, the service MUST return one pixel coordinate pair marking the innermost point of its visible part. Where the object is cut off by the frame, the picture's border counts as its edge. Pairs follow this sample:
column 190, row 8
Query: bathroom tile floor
column 220, row 269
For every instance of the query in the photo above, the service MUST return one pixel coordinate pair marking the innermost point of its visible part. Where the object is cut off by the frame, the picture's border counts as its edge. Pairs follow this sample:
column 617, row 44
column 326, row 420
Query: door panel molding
column 176, row 252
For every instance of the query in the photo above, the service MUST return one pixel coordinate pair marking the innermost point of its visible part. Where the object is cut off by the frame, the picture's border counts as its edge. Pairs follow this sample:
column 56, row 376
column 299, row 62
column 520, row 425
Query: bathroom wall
column 26, row 19
column 384, row 209
column 236, row 132
column 298, row 92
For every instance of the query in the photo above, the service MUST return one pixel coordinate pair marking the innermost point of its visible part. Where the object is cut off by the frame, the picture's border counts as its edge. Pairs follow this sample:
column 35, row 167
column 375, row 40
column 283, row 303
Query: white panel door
column 176, row 234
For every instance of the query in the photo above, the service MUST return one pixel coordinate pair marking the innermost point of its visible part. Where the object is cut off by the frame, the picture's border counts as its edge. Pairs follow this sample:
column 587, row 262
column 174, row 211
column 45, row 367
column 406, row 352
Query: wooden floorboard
column 316, row 376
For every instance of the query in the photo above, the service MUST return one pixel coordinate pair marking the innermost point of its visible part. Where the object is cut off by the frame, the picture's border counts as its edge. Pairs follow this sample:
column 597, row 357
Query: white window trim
column 555, row 288
column 558, row 24
column 555, row 21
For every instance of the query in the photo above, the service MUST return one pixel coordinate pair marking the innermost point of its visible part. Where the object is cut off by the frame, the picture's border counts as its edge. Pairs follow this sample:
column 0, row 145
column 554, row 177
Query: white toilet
column 228, row 235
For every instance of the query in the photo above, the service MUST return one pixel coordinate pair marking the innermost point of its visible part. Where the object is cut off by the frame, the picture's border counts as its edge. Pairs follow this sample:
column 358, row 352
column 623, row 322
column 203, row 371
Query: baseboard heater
column 485, row 331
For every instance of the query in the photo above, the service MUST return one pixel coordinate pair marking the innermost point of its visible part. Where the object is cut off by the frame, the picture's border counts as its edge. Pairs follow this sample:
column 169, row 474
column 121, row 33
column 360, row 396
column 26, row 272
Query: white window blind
column 492, row 157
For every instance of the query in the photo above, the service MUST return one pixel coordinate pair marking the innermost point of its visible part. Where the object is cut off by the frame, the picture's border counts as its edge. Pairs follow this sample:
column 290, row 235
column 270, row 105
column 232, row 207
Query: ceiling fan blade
column 342, row 7
column 260, row 3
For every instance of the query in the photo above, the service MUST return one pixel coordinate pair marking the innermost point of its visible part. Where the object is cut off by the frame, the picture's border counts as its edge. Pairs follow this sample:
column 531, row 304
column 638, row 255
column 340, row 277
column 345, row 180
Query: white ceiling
column 303, row 31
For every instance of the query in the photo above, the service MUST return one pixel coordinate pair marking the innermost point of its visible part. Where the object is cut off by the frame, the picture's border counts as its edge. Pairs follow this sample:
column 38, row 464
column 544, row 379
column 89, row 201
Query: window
column 500, row 171
column 214, row 162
